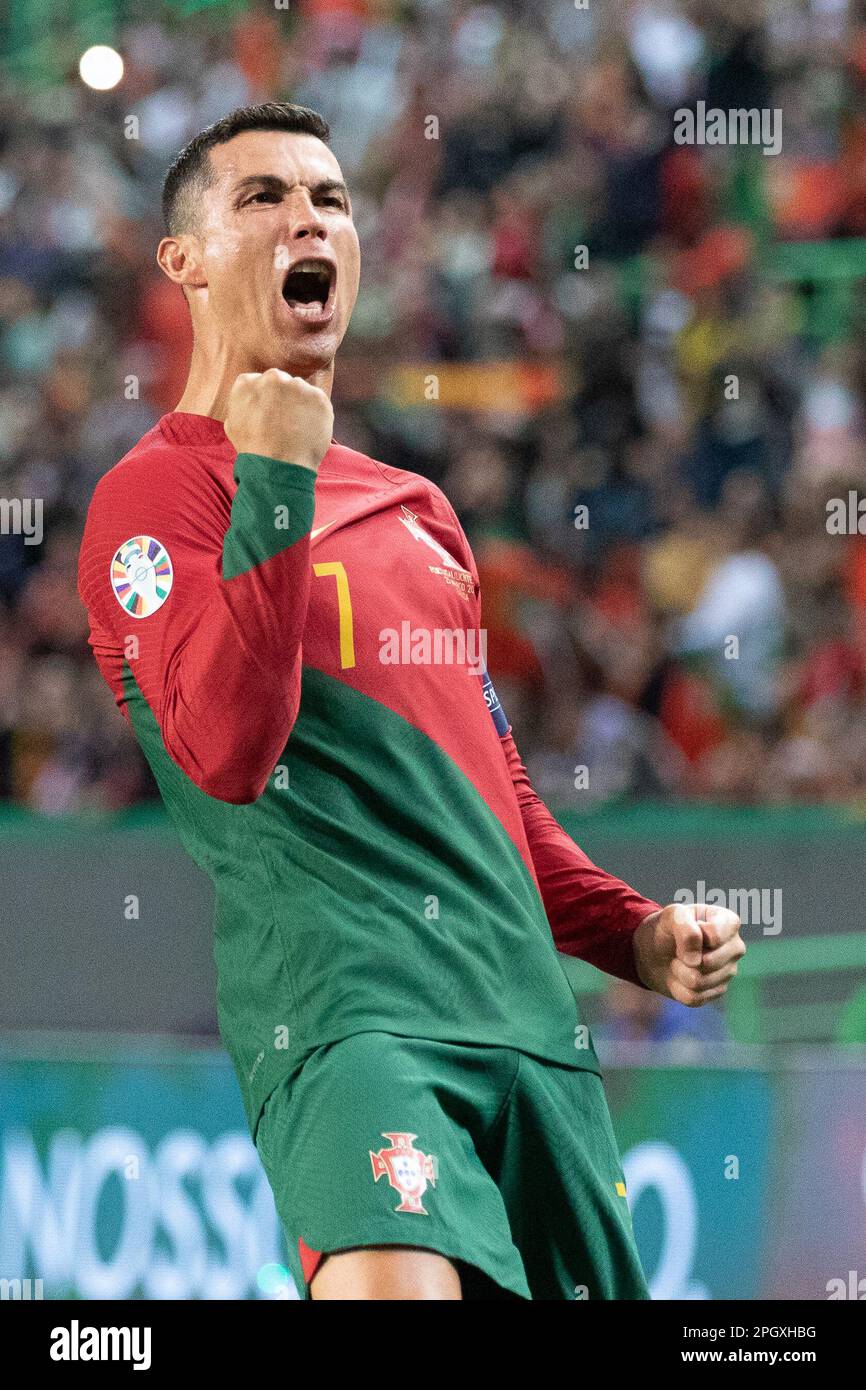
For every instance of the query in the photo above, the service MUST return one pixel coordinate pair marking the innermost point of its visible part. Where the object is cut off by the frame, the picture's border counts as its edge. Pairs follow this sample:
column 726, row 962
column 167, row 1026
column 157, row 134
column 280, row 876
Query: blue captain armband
column 497, row 713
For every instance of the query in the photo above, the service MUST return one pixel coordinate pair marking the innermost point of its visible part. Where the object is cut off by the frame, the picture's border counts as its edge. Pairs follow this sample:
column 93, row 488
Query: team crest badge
column 141, row 576
column 407, row 1169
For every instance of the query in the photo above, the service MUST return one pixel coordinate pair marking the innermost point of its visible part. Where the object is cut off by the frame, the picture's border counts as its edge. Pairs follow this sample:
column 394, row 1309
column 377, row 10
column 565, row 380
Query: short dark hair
column 192, row 172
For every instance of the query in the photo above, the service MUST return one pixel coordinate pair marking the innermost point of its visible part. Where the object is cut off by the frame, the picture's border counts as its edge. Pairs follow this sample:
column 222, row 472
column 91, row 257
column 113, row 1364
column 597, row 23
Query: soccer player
column 390, row 892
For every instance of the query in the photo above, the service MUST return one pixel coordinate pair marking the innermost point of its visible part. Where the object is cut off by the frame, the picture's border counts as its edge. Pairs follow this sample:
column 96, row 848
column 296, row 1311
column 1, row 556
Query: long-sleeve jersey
column 299, row 658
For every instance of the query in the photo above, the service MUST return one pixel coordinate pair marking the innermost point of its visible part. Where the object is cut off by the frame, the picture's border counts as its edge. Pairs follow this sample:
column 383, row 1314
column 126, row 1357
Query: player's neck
column 210, row 382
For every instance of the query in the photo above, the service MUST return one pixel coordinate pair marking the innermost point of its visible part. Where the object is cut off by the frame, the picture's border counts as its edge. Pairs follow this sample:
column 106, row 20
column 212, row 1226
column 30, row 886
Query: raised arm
column 217, row 657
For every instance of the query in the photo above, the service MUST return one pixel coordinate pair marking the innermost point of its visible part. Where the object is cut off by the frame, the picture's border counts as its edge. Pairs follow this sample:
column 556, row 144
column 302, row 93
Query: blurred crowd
column 681, row 329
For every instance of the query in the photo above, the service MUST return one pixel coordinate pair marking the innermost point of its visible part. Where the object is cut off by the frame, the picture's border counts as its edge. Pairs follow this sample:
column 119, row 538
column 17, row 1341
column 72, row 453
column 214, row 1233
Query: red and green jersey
column 295, row 654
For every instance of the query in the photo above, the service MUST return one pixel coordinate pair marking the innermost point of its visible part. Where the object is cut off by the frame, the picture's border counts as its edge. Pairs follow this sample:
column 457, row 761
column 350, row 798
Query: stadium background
column 531, row 379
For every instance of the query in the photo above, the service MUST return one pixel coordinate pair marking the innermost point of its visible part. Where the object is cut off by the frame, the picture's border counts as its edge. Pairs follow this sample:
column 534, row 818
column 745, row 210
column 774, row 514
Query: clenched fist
column 280, row 416
column 689, row 952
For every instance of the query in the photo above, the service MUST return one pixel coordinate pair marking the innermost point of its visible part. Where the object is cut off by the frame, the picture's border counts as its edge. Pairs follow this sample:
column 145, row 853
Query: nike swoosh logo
column 319, row 529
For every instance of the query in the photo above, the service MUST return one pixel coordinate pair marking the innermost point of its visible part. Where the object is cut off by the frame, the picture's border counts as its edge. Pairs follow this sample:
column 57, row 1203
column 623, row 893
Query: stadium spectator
column 649, row 387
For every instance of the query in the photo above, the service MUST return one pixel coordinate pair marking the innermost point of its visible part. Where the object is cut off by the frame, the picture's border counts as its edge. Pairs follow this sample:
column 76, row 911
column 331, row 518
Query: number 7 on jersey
column 344, row 605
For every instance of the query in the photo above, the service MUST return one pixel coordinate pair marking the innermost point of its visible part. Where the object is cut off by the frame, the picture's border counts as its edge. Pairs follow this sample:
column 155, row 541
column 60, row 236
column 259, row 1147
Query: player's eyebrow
column 273, row 183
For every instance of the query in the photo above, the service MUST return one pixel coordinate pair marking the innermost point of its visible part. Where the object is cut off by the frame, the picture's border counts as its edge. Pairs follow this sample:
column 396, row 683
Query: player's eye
column 334, row 200
column 264, row 193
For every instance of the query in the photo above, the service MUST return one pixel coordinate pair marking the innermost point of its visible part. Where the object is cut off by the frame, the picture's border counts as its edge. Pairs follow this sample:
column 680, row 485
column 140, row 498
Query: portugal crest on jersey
column 141, row 576
column 407, row 1169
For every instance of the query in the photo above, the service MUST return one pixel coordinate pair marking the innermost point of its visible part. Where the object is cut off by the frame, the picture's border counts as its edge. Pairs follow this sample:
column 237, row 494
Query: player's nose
column 304, row 218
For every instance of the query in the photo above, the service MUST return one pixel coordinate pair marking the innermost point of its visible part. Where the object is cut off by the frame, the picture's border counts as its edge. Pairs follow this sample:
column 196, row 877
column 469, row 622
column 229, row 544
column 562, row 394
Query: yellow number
column 344, row 603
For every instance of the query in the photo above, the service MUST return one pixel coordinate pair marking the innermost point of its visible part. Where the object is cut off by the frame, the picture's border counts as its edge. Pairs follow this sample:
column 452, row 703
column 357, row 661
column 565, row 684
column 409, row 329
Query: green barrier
column 751, row 1015
column 626, row 819
column 65, row 879
column 833, row 269
column 753, row 1018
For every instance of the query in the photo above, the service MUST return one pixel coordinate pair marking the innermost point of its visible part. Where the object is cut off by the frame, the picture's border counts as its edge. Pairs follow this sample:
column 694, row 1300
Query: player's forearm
column 233, row 690
column 592, row 914
column 247, row 649
column 227, row 715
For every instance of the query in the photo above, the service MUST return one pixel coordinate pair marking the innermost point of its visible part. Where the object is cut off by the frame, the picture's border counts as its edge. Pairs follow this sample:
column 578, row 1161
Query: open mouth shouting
column 309, row 290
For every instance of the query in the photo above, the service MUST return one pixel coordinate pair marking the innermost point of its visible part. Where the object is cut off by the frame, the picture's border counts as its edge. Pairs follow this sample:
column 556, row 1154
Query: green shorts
column 503, row 1163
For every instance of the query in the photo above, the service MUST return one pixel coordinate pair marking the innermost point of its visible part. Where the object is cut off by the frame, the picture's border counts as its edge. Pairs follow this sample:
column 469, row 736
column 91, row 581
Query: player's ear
column 179, row 258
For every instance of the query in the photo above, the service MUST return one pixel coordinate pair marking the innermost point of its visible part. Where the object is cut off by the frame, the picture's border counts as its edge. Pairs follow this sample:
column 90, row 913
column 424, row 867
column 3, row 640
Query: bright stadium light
column 100, row 67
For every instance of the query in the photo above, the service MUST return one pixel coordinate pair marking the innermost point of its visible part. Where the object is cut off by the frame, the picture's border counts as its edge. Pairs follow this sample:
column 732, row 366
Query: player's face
column 279, row 250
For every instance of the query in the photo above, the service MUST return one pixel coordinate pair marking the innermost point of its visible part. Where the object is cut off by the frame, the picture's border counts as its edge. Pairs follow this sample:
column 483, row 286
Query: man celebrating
column 390, row 893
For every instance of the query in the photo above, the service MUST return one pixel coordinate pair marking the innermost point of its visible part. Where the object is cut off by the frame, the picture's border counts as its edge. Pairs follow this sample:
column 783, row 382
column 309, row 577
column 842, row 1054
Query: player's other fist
column 689, row 951
column 280, row 416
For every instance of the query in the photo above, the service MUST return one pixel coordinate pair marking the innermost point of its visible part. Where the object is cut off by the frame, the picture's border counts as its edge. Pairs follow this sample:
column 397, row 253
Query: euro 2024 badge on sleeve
column 141, row 576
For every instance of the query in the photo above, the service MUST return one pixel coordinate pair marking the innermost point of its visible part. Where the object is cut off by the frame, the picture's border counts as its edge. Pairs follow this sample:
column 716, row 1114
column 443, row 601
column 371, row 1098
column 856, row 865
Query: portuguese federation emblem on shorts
column 141, row 576
column 407, row 1169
